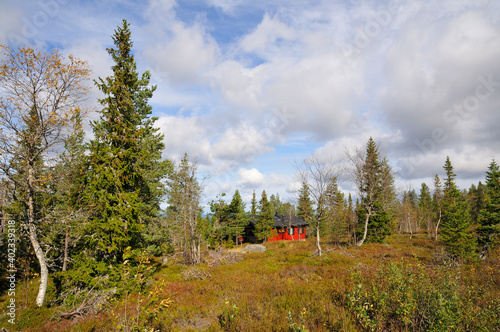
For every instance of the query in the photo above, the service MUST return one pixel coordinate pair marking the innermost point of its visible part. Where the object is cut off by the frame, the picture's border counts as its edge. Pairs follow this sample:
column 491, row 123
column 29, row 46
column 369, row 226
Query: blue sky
column 247, row 88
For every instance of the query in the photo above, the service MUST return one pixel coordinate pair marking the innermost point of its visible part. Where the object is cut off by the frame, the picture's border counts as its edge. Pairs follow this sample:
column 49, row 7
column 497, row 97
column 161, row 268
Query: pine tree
column 455, row 231
column 124, row 168
column 265, row 222
column 489, row 216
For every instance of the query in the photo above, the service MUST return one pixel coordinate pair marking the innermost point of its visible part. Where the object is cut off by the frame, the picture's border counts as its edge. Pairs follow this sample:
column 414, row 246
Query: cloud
column 268, row 35
column 239, row 145
column 250, row 177
column 185, row 135
column 182, row 52
column 436, row 94
column 227, row 6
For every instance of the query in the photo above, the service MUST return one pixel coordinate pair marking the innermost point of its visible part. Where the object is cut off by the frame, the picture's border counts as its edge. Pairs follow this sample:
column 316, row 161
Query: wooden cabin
column 285, row 227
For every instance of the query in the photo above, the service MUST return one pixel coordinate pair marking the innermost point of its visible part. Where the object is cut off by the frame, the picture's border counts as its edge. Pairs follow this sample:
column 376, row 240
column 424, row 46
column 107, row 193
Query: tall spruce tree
column 253, row 205
column 489, row 217
column 425, row 207
column 238, row 218
column 124, row 168
column 265, row 222
column 376, row 188
column 455, row 230
column 305, row 209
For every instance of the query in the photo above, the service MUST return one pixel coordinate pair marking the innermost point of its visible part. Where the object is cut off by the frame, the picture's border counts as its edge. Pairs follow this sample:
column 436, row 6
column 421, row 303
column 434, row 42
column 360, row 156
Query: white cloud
column 250, row 177
column 240, row 145
column 185, row 135
column 183, row 52
column 263, row 39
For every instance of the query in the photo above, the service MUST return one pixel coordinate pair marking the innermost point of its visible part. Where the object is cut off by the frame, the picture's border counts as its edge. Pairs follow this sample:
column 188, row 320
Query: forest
column 86, row 246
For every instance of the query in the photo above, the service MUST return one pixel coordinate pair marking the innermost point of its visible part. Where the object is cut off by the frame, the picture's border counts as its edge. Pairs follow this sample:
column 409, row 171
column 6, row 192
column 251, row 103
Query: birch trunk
column 66, row 245
column 317, row 238
column 367, row 219
column 40, row 255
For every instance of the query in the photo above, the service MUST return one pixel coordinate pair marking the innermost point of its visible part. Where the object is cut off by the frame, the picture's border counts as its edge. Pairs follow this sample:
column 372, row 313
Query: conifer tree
column 124, row 168
column 455, row 230
column 375, row 184
column 338, row 216
column 305, row 209
column 253, row 205
column 489, row 217
column 220, row 211
column 425, row 207
column 265, row 222
column 238, row 218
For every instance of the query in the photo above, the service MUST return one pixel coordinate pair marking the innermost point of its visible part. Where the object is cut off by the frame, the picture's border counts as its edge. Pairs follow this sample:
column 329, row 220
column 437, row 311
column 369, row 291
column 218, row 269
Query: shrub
column 409, row 297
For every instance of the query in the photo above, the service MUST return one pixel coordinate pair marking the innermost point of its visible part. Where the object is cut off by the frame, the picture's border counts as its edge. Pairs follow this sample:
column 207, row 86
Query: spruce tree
column 305, row 209
column 124, row 167
column 238, row 218
column 455, row 230
column 425, row 207
column 489, row 217
column 253, row 205
column 265, row 222
column 376, row 187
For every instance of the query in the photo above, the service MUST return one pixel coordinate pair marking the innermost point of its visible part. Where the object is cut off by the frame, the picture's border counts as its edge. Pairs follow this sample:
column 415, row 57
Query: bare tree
column 318, row 174
column 39, row 93
column 184, row 201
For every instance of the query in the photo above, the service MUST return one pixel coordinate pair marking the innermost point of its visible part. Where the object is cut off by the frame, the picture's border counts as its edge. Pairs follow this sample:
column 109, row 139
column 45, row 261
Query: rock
column 254, row 248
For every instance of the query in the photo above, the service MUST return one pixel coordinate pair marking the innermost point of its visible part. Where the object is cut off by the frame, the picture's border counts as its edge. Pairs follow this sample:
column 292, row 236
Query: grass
column 400, row 286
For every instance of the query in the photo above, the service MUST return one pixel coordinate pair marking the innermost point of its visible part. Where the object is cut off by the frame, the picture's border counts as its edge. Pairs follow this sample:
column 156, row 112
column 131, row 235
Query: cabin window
column 301, row 230
column 281, row 230
column 291, row 230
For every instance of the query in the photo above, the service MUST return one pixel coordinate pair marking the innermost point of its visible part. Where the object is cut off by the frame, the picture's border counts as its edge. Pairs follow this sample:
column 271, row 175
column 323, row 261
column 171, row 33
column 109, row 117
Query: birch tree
column 318, row 174
column 39, row 94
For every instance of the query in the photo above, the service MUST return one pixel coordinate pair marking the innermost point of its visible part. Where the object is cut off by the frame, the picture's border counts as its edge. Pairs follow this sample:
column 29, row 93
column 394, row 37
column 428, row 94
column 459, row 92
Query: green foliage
column 238, row 218
column 376, row 185
column 124, row 168
column 455, row 231
column 253, row 205
column 305, row 209
column 407, row 297
column 489, row 216
column 265, row 221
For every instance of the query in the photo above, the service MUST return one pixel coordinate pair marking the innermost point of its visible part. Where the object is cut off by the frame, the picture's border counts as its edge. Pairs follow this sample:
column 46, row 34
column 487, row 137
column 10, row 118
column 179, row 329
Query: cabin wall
column 287, row 237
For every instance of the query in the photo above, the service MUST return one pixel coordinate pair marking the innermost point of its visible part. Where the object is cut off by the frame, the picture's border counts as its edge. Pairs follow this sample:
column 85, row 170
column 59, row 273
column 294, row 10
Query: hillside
column 402, row 285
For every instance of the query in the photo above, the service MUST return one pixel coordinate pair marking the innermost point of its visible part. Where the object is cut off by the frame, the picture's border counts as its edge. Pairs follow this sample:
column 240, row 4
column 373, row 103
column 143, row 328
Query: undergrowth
column 396, row 286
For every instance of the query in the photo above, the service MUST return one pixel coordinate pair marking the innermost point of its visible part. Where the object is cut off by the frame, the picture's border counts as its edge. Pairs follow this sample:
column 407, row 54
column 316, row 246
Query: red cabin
column 285, row 227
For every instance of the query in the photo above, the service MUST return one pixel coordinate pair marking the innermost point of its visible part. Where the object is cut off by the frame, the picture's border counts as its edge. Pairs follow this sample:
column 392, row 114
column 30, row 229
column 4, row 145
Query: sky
column 250, row 88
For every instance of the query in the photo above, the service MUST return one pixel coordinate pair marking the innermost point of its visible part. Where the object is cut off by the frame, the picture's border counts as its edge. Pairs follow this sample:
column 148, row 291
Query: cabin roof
column 282, row 220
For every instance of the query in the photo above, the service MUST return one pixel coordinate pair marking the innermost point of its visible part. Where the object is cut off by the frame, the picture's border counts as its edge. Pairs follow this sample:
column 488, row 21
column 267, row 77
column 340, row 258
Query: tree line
column 89, row 212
